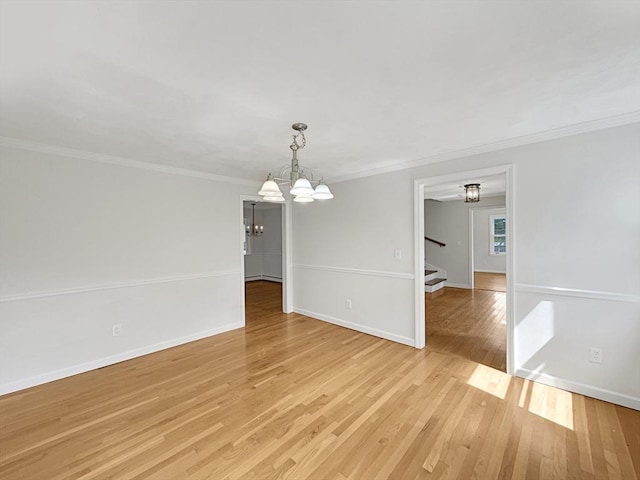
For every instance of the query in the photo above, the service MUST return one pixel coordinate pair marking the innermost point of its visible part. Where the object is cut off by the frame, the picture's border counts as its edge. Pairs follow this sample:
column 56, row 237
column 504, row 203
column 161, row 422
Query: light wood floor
column 289, row 397
column 496, row 282
column 469, row 324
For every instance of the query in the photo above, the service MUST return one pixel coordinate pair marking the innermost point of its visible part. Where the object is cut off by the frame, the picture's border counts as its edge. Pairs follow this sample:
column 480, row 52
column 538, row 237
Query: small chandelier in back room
column 254, row 230
column 472, row 193
column 300, row 179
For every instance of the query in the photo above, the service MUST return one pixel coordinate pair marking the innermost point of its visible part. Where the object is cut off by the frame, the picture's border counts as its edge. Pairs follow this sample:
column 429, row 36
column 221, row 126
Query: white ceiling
column 490, row 186
column 215, row 86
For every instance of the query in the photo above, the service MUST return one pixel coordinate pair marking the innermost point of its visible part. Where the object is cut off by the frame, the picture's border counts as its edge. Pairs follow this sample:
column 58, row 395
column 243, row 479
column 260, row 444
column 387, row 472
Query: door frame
column 472, row 226
column 419, row 255
column 287, row 269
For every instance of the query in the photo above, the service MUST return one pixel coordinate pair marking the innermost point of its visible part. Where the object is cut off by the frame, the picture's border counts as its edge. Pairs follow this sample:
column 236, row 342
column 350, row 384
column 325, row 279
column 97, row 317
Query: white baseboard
column 457, row 285
column 581, row 388
column 120, row 357
column 489, row 271
column 272, row 279
column 357, row 327
column 263, row 277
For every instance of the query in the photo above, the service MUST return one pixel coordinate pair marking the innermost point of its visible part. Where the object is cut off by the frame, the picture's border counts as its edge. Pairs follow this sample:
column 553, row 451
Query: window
column 497, row 235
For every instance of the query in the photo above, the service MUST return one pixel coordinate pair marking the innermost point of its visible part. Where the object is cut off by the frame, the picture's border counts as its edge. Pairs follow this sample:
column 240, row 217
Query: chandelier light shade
column 254, row 230
column 472, row 193
column 303, row 198
column 299, row 179
column 302, row 187
column 270, row 188
column 322, row 192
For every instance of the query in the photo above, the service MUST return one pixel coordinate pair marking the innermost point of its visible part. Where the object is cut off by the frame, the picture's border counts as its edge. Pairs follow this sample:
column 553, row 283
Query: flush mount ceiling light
column 254, row 230
column 300, row 179
column 472, row 193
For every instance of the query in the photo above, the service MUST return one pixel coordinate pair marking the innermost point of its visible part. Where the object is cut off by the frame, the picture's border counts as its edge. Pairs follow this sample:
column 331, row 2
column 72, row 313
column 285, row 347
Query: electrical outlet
column 398, row 254
column 117, row 329
column 348, row 304
column 595, row 355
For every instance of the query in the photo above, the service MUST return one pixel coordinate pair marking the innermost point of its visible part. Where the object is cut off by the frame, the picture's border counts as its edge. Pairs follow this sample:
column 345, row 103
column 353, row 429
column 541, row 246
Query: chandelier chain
column 295, row 146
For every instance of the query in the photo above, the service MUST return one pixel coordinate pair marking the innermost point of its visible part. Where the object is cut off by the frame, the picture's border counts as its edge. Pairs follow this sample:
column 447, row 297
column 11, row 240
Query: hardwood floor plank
column 496, row 282
column 468, row 323
column 291, row 398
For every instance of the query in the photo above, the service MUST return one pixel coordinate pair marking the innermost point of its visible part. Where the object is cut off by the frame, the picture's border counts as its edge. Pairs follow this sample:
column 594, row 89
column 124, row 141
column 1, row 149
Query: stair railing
column 436, row 242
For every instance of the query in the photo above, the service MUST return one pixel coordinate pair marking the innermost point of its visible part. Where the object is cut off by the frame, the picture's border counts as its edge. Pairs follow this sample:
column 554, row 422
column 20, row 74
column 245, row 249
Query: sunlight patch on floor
column 552, row 404
column 490, row 380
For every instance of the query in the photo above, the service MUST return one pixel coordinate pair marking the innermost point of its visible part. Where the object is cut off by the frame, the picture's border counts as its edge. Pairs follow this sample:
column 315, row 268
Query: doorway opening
column 488, row 242
column 473, row 322
column 265, row 258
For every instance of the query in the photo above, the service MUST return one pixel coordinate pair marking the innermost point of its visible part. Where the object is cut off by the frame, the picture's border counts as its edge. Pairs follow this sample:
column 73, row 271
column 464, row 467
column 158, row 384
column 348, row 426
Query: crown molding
column 554, row 133
column 560, row 132
column 121, row 161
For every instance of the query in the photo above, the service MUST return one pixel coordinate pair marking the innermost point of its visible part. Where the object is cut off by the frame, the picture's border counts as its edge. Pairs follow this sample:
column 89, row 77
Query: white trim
column 267, row 278
column 575, row 292
column 457, row 285
column 241, row 234
column 510, row 209
column 581, row 388
column 356, row 271
column 287, row 273
column 120, row 357
column 502, row 272
column 73, row 291
column 455, row 177
column 287, row 257
column 560, row 132
column 419, row 264
column 357, row 327
column 420, row 185
column 472, row 219
column 121, row 161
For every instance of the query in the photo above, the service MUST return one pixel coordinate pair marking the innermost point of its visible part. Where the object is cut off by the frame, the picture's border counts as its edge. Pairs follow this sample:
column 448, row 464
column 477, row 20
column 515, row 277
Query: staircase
column 434, row 277
column 433, row 280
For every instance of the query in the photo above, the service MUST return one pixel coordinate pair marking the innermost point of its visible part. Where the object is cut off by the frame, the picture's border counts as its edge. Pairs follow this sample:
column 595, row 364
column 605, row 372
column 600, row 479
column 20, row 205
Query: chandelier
column 472, row 193
column 254, row 230
column 300, row 179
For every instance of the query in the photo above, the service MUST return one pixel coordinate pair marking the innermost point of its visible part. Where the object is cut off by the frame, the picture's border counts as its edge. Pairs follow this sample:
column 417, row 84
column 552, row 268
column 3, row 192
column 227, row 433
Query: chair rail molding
column 111, row 286
column 356, row 271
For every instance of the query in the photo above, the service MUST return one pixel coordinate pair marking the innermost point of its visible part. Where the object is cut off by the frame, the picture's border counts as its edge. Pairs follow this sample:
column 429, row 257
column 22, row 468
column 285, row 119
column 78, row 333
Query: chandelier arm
column 302, row 170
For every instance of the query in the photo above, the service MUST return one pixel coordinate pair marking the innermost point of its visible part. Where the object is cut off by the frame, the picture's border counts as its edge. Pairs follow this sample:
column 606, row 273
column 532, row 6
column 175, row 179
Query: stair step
column 435, row 281
column 429, row 272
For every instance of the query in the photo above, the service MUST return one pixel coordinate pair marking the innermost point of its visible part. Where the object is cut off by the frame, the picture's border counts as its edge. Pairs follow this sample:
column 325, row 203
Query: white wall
column 483, row 260
column 573, row 288
column 86, row 245
column 344, row 249
column 264, row 258
column 448, row 222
